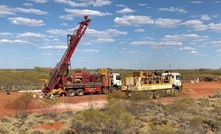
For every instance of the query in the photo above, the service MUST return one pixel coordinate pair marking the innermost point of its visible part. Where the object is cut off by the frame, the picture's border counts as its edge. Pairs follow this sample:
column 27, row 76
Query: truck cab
column 175, row 79
column 116, row 81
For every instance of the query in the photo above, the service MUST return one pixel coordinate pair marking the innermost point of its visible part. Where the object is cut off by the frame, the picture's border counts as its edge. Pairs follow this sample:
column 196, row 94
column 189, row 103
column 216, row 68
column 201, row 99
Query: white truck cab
column 116, row 80
column 175, row 79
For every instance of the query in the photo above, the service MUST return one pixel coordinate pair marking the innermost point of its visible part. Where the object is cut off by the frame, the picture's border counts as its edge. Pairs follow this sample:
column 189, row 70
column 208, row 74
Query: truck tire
column 128, row 94
column 71, row 93
column 175, row 92
column 114, row 88
column 104, row 90
column 150, row 95
column 80, row 92
column 156, row 95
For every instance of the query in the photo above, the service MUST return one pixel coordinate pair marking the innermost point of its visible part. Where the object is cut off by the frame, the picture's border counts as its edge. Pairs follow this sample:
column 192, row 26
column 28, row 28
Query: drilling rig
column 56, row 81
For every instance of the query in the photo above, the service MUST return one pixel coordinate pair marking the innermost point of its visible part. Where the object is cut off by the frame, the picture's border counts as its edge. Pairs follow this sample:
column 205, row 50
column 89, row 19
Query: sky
column 127, row 34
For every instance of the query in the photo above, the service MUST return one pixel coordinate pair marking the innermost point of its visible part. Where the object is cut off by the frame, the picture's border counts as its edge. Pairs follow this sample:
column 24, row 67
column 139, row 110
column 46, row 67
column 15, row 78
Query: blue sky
column 129, row 34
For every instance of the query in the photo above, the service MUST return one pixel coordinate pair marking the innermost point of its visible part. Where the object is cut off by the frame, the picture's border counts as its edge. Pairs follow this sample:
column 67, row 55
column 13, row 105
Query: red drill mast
column 56, row 79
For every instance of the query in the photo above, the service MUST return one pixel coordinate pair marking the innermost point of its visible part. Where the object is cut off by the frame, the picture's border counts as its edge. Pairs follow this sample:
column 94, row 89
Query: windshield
column 178, row 77
column 118, row 77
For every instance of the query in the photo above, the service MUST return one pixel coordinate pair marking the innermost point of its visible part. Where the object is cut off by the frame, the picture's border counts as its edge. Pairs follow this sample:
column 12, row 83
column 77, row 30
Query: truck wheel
column 71, row 93
column 175, row 92
column 114, row 88
column 150, row 95
column 128, row 94
column 80, row 92
column 156, row 95
column 104, row 90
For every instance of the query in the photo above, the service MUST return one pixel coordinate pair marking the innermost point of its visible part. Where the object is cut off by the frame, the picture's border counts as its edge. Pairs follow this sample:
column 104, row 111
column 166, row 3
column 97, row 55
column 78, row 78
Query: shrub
column 116, row 94
column 110, row 120
column 187, row 105
column 141, row 96
column 3, row 130
column 216, row 94
column 49, row 108
column 163, row 129
column 22, row 103
column 204, row 102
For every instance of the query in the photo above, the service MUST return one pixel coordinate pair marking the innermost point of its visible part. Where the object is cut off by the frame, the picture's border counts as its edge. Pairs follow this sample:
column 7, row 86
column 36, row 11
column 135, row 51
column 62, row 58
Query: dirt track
column 195, row 90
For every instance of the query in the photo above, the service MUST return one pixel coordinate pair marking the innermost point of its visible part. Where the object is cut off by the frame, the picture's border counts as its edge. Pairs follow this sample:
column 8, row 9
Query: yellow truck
column 154, row 83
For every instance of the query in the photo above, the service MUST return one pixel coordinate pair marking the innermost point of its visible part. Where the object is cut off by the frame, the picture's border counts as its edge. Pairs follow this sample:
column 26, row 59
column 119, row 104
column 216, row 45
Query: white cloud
column 115, row 32
column 30, row 10
column 131, row 52
column 5, row 34
column 195, row 24
column 186, row 37
column 200, row 26
column 120, row 5
column 105, row 36
column 66, row 17
column 167, row 23
column 64, row 24
column 173, row 9
column 105, row 40
column 7, row 41
column 125, row 11
column 31, row 36
column 99, row 3
column 91, row 51
column 197, row 2
column 219, row 50
column 194, row 52
column 132, row 20
column 172, row 41
column 187, row 48
column 205, row 17
column 60, row 31
column 46, row 54
column 215, row 27
column 39, row 1
column 216, row 43
column 53, row 47
column 26, row 21
column 139, row 30
column 5, row 11
column 216, row 2
column 76, row 12
column 142, row 4
column 157, row 44
column 28, row 4
column 85, row 3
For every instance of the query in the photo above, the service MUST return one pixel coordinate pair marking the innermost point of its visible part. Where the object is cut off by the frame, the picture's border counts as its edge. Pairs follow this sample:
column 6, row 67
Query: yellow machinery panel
column 103, row 71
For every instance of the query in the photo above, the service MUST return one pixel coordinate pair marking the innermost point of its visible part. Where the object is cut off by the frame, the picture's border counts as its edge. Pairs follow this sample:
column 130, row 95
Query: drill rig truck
column 155, row 85
column 56, row 82
column 81, row 82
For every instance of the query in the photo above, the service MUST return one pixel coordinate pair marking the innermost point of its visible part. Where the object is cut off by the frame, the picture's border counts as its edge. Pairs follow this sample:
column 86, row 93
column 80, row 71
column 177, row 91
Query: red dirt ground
column 195, row 90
